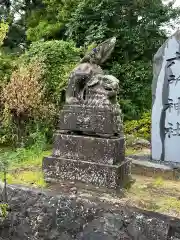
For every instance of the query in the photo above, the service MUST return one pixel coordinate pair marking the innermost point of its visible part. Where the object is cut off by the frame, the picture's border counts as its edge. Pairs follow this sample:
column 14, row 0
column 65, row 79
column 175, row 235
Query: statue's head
column 100, row 53
column 109, row 82
column 107, row 85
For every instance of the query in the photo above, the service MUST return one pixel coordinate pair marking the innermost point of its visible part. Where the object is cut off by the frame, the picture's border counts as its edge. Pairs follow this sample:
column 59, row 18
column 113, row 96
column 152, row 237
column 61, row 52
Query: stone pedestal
column 89, row 147
column 103, row 175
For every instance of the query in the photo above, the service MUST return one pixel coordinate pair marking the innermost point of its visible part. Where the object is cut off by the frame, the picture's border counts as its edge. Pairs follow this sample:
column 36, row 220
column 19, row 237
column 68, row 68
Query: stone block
column 91, row 149
column 91, row 120
column 165, row 132
column 112, row 176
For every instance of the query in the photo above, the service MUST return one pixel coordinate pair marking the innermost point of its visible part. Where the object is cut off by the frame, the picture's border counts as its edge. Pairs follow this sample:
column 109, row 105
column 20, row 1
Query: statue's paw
column 72, row 101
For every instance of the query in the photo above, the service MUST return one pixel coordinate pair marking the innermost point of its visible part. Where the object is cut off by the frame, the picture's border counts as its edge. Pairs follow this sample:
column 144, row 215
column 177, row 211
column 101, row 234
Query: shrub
column 3, row 210
column 6, row 63
column 32, row 98
column 6, row 66
column 140, row 128
column 59, row 58
column 135, row 87
column 25, row 107
column 3, row 31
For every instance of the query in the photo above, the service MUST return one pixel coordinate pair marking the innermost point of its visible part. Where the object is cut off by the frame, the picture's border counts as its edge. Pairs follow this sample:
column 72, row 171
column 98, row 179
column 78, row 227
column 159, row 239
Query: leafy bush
column 3, row 210
column 25, row 107
column 3, row 31
column 135, row 92
column 44, row 29
column 140, row 128
column 6, row 66
column 6, row 63
column 59, row 58
column 32, row 98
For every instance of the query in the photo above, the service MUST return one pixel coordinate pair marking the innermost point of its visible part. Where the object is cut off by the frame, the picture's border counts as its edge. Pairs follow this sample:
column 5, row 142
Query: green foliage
column 24, row 164
column 3, row 210
column 59, row 58
column 31, row 155
column 3, row 31
column 24, row 104
column 137, row 26
column 29, row 178
column 6, row 67
column 158, row 182
column 139, row 128
column 32, row 97
column 135, row 91
column 49, row 21
column 5, row 64
column 44, row 28
column 132, row 21
column 16, row 14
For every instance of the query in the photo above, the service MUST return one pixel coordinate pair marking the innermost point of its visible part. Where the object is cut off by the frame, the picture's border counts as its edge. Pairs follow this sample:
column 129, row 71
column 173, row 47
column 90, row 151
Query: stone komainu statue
column 88, row 74
column 89, row 141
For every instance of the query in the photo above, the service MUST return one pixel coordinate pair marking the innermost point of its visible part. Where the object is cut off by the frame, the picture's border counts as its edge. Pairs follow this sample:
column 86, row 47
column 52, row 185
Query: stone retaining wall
column 38, row 215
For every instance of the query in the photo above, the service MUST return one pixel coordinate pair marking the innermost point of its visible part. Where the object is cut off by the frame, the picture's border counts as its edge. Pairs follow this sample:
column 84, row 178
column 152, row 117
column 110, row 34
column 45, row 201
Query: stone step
column 153, row 169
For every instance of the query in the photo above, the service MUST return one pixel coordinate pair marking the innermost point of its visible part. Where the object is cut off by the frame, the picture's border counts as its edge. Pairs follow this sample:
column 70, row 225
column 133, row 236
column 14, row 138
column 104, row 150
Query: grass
column 130, row 151
column 23, row 157
column 30, row 160
column 28, row 178
column 155, row 195
column 24, row 166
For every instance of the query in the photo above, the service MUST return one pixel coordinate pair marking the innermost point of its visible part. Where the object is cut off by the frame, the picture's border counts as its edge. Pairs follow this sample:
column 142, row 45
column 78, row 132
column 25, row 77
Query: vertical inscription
column 172, row 104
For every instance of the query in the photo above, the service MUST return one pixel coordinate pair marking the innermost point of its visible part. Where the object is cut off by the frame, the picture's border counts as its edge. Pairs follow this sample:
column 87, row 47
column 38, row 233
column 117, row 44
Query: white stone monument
column 165, row 135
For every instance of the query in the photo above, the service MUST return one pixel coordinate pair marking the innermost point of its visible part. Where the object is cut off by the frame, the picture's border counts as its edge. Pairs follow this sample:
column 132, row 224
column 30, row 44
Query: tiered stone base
column 95, row 160
column 111, row 176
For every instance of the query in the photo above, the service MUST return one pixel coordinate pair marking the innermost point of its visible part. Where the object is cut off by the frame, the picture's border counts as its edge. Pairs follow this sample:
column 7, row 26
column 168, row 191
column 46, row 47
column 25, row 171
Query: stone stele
column 166, row 102
column 89, row 141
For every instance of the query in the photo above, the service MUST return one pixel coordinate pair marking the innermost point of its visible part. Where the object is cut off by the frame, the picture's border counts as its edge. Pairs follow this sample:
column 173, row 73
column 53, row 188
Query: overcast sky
column 174, row 26
column 177, row 3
